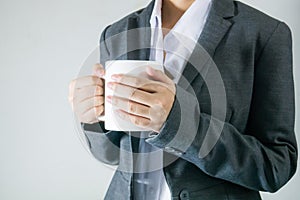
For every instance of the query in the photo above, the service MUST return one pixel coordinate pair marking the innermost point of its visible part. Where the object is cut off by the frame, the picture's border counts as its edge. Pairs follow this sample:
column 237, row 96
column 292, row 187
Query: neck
column 172, row 10
column 181, row 5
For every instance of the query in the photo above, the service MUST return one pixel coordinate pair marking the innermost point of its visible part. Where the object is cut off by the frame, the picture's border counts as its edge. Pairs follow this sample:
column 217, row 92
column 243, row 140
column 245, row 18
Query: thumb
column 98, row 70
column 158, row 75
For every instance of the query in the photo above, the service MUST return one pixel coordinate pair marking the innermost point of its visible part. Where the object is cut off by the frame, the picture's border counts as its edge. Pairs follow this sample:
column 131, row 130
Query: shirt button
column 184, row 195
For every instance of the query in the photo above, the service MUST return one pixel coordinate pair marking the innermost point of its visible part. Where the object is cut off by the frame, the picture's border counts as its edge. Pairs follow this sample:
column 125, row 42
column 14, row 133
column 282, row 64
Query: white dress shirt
column 178, row 45
column 182, row 38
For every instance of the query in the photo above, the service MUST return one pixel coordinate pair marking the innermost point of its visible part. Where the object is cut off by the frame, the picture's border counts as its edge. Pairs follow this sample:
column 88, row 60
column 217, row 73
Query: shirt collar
column 191, row 22
column 155, row 19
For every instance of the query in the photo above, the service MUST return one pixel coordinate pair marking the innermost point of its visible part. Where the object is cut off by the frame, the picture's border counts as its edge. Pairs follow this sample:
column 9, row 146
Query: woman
column 250, row 147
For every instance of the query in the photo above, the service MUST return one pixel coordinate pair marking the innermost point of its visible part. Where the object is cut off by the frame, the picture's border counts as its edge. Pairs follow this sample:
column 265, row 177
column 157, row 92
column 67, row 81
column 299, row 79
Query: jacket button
column 184, row 195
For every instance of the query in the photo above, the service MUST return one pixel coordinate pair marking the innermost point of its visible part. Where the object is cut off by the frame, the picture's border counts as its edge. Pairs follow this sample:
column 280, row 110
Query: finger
column 91, row 116
column 88, row 104
column 133, row 81
column 86, row 93
column 84, row 82
column 129, row 106
column 131, row 93
column 134, row 119
column 98, row 70
column 158, row 75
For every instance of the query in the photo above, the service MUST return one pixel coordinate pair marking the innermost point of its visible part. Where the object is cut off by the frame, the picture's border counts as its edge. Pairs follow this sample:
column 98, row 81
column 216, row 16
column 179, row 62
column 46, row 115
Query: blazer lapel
column 217, row 25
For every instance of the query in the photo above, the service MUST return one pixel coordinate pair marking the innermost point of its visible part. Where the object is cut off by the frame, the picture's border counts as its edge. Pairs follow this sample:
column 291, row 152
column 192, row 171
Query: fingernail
column 109, row 99
column 110, row 85
column 99, row 72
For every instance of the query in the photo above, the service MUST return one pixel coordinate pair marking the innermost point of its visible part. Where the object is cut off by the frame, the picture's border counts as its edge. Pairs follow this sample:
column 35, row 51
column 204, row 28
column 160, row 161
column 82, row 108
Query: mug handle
column 102, row 117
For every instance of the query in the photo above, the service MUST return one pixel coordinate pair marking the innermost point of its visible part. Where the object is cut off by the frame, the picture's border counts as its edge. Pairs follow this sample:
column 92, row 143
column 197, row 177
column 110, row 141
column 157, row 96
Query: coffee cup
column 112, row 121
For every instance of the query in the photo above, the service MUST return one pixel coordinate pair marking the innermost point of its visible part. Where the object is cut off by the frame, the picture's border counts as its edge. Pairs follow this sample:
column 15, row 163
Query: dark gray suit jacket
column 256, row 149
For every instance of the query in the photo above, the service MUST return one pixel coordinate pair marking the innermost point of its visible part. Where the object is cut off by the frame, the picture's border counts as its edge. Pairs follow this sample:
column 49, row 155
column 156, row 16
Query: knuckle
column 135, row 94
column 132, row 107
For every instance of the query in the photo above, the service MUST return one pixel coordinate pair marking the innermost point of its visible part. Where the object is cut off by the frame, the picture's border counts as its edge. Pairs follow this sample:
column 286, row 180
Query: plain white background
column 43, row 44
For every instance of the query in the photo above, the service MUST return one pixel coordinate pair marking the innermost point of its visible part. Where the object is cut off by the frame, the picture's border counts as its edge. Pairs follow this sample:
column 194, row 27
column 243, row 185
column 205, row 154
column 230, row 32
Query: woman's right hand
column 86, row 96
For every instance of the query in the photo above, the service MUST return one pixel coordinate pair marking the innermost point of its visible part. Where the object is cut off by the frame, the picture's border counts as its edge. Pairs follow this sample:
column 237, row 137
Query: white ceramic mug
column 111, row 119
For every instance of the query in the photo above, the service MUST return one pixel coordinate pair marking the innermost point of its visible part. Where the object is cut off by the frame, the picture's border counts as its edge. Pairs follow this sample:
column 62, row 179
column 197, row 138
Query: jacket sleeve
column 264, row 156
column 103, row 144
